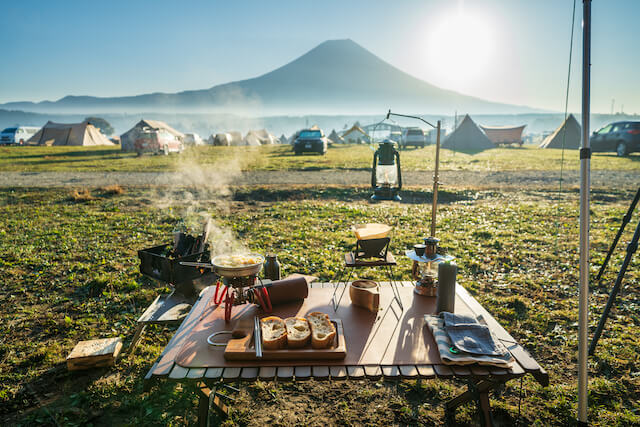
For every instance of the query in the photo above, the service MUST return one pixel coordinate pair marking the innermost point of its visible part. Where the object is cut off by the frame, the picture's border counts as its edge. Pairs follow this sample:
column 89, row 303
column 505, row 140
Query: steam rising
column 195, row 190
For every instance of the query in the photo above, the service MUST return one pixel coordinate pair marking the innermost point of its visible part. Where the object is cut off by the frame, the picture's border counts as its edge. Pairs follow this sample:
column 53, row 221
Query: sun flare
column 460, row 49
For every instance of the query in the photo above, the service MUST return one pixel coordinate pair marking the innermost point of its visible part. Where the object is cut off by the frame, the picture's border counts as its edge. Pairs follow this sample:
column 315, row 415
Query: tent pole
column 585, row 184
column 435, row 183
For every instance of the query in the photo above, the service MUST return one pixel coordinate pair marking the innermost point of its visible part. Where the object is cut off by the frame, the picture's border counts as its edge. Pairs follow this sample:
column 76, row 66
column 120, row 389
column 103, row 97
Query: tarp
column 77, row 134
column 504, row 134
column 128, row 139
column 570, row 130
column 467, row 137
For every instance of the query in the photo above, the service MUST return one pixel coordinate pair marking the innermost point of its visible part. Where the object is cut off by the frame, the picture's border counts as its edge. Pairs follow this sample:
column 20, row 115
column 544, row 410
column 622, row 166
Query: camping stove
column 241, row 290
column 237, row 285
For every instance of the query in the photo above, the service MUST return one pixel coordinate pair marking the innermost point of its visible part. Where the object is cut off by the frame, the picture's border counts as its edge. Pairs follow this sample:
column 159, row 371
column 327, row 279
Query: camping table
column 395, row 349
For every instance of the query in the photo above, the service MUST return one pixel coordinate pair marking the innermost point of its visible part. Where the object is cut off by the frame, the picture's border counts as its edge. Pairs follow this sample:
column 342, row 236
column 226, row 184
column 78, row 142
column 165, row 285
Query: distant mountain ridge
column 336, row 77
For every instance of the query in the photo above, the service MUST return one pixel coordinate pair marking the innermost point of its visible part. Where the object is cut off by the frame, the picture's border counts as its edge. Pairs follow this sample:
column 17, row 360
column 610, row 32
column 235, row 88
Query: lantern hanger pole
column 436, row 170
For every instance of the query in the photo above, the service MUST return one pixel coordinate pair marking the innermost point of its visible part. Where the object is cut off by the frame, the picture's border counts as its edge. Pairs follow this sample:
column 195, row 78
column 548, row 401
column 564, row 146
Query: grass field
column 69, row 273
column 93, row 159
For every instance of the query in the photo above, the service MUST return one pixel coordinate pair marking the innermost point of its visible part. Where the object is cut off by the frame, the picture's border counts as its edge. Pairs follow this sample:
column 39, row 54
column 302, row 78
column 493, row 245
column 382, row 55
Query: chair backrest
column 372, row 248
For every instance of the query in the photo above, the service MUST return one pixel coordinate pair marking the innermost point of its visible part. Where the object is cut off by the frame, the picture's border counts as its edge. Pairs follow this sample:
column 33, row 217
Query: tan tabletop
column 392, row 343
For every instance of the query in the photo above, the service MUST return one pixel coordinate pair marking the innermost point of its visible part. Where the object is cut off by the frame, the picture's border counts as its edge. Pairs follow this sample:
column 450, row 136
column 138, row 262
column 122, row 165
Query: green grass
column 35, row 159
column 69, row 272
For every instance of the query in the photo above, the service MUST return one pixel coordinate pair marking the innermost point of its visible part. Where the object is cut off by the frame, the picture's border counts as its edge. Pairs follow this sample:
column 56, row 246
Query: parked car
column 414, row 137
column 157, row 141
column 619, row 137
column 310, row 140
column 17, row 135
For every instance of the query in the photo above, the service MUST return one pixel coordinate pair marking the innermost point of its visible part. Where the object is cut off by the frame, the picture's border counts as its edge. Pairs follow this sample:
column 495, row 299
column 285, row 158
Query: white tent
column 128, row 138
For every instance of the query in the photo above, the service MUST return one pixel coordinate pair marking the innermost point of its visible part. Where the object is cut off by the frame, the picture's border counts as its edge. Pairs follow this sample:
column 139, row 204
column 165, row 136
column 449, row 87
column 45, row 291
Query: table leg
column 478, row 392
column 209, row 398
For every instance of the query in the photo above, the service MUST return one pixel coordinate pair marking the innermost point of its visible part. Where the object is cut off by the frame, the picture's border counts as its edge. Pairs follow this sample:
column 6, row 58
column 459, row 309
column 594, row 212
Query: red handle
column 217, row 300
column 265, row 295
column 228, row 303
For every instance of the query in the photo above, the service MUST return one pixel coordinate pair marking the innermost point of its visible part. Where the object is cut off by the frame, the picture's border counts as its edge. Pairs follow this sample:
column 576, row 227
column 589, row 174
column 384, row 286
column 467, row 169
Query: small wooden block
column 94, row 354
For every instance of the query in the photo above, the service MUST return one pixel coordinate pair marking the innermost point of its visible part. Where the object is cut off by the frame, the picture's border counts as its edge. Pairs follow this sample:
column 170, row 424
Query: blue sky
column 512, row 51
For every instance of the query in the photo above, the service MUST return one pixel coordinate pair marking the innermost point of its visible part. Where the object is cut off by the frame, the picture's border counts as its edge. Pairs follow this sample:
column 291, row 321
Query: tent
column 467, row 136
column 570, row 130
column 78, row 134
column 259, row 137
column 335, row 138
column 284, row 139
column 355, row 135
column 192, row 139
column 504, row 134
column 128, row 138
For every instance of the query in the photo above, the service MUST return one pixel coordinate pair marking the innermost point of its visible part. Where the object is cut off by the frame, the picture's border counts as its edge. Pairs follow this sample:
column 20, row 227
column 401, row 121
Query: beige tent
column 467, row 137
column 570, row 131
column 129, row 137
column 79, row 134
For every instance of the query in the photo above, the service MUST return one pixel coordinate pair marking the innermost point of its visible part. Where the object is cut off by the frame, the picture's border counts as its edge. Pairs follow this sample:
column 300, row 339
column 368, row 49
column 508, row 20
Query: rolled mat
column 288, row 290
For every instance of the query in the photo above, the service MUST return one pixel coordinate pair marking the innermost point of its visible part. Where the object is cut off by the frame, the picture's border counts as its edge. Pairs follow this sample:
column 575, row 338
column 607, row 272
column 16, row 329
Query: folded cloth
column 445, row 345
column 468, row 335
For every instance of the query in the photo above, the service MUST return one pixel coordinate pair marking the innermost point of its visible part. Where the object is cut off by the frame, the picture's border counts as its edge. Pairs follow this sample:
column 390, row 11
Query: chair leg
column 136, row 337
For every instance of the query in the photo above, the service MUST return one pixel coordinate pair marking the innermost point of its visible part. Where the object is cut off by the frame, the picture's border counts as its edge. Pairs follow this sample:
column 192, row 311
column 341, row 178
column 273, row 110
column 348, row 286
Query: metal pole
column 435, row 183
column 585, row 185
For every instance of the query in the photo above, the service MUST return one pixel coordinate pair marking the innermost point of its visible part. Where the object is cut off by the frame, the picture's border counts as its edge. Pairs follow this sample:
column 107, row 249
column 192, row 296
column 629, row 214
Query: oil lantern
column 386, row 177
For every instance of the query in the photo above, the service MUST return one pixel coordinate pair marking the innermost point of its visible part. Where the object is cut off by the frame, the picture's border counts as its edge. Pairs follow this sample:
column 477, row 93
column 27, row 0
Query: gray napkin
column 468, row 335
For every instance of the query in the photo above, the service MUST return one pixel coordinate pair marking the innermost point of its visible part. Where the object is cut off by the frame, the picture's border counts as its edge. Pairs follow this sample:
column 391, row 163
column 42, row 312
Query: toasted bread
column 298, row 332
column 323, row 332
column 274, row 333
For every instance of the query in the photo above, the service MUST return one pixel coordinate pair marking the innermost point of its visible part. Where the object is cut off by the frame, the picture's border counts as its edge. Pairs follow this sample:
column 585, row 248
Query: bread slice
column 298, row 332
column 274, row 333
column 323, row 332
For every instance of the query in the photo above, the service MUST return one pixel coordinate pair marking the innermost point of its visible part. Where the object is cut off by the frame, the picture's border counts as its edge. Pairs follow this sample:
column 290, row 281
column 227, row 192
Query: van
column 18, row 135
column 414, row 137
column 157, row 141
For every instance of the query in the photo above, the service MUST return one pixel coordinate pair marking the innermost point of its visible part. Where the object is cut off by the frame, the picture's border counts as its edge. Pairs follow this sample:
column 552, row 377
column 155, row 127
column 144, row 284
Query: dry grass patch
column 81, row 195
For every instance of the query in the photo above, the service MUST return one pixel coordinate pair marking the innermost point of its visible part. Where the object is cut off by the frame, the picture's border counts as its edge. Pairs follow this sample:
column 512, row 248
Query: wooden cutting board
column 94, row 354
column 244, row 349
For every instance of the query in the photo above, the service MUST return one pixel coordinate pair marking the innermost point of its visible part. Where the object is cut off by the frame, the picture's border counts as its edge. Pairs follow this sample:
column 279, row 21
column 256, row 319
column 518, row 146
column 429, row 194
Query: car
column 414, row 137
column 17, row 135
column 622, row 138
column 310, row 140
column 157, row 141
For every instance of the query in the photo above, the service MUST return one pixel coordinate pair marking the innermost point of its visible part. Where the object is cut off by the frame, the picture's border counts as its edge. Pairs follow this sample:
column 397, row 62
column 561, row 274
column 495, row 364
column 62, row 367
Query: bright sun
column 460, row 50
